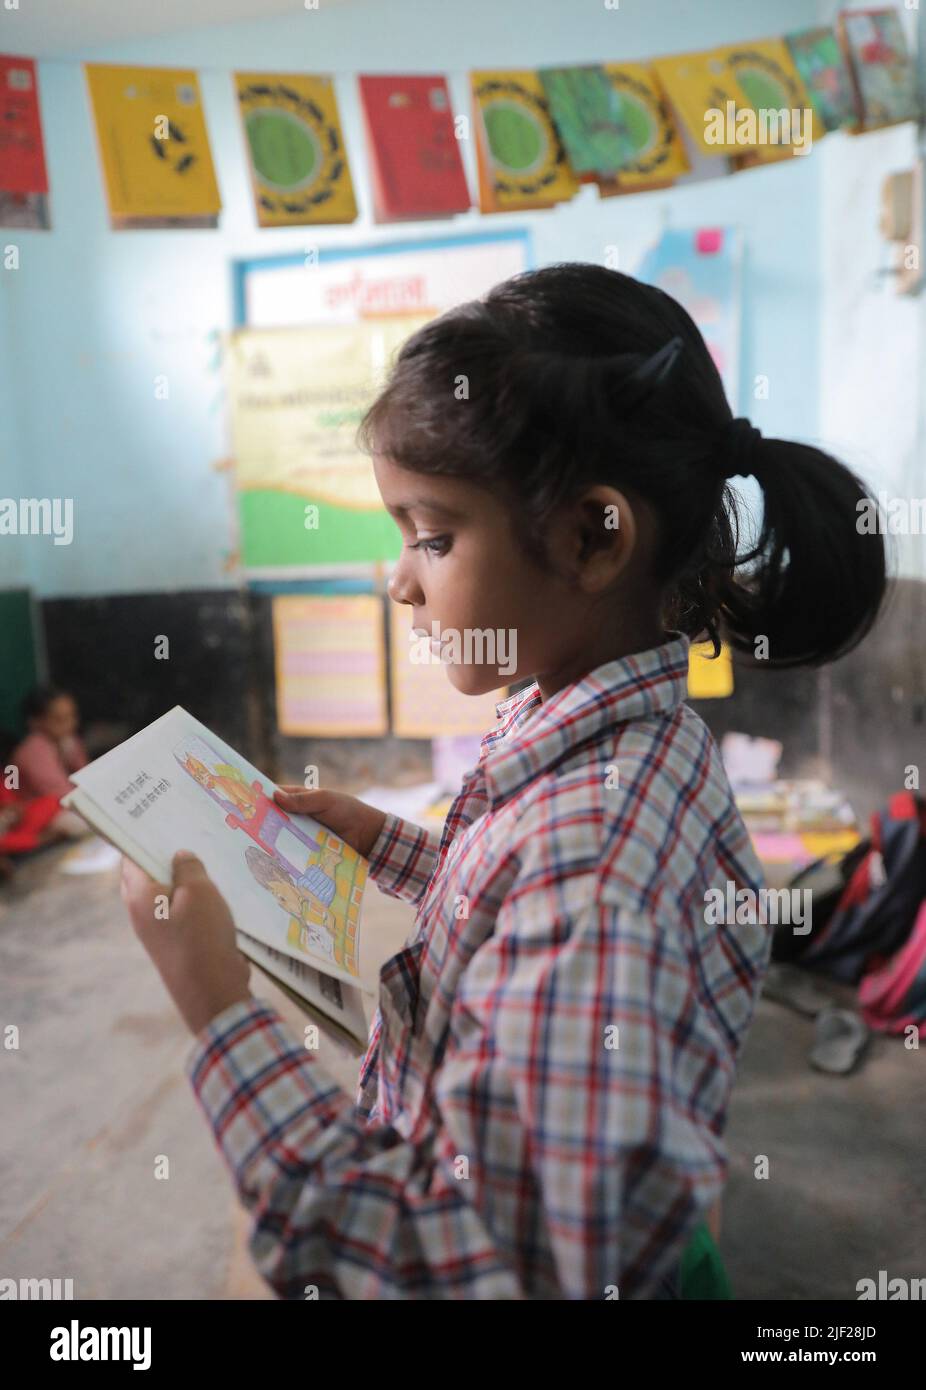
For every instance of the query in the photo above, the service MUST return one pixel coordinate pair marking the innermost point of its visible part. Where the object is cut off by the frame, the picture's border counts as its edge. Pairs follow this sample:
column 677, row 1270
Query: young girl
column 543, row 1100
column 52, row 749
column 31, row 815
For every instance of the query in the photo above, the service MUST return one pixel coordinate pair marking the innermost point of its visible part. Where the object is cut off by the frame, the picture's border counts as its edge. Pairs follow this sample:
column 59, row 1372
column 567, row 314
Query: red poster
column 22, row 155
column 414, row 154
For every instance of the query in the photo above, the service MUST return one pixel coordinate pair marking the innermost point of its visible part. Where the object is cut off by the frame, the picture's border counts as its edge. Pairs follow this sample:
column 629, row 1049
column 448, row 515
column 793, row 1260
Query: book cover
column 414, row 153
column 521, row 159
column 696, row 83
column 657, row 157
column 154, row 146
column 819, row 60
column 588, row 114
column 882, row 71
column 289, row 882
column 296, row 152
column 22, row 152
column 769, row 82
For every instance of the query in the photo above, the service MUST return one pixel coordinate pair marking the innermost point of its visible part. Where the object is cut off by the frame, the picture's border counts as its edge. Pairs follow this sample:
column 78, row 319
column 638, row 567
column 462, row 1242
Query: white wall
column 872, row 339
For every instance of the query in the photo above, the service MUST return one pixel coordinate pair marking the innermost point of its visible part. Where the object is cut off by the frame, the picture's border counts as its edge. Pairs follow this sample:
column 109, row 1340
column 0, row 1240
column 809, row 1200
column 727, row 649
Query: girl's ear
column 607, row 537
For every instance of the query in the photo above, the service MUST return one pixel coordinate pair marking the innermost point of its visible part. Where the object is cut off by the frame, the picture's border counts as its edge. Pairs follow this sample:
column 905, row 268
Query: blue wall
column 93, row 316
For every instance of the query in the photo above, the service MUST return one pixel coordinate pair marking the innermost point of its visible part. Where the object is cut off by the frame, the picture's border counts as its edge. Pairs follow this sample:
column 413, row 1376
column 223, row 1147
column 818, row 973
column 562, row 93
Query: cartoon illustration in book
column 300, row 869
column 227, row 782
column 246, row 804
column 305, row 897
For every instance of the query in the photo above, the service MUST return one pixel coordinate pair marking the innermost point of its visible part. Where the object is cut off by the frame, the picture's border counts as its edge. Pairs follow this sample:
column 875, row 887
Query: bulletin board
column 314, row 334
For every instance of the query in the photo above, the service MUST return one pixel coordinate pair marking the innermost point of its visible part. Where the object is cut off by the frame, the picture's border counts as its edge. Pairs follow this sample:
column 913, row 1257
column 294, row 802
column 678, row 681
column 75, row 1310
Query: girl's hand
column 351, row 819
column 193, row 946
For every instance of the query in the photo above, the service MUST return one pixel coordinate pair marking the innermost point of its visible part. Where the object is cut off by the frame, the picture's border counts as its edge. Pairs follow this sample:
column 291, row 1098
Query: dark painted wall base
column 861, row 720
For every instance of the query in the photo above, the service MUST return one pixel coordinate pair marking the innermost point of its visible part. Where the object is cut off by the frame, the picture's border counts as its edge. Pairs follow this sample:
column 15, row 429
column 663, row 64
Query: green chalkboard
column 21, row 655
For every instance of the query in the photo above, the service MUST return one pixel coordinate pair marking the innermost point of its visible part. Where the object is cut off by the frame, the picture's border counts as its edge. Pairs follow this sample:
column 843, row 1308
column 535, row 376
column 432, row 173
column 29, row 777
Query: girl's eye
column 434, row 545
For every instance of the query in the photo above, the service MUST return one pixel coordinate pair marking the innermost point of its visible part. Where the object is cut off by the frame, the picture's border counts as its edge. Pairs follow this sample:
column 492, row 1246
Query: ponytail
column 814, row 582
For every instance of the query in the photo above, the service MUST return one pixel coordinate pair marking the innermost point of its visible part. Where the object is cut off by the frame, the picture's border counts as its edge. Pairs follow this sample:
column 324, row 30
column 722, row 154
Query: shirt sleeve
column 403, row 859
column 341, row 1209
column 571, row 1148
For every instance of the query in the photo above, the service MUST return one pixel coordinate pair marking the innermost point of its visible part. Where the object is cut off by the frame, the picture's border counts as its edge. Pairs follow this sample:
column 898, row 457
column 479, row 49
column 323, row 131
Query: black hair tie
column 737, row 445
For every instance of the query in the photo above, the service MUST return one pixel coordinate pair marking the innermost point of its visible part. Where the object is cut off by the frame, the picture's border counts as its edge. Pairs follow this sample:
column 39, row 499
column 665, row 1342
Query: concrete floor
column 96, row 1091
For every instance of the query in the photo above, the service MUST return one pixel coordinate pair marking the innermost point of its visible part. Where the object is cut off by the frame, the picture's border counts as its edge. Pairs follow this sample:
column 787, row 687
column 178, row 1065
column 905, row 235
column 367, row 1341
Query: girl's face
column 60, row 718
column 463, row 568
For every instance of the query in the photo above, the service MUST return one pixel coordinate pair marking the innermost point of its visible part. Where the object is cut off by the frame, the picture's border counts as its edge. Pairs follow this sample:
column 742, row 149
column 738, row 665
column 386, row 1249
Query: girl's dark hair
column 546, row 357
column 37, row 701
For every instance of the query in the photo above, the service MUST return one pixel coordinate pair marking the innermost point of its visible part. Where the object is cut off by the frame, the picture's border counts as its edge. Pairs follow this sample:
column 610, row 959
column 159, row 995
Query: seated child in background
column 51, row 750
column 31, row 814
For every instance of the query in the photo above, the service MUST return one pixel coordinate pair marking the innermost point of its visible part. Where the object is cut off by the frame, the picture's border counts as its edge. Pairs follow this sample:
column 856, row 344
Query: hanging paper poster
column 697, row 84
column 709, row 677
column 23, row 177
column 702, row 270
column 330, row 665
column 22, row 154
column 771, row 89
column 414, row 153
column 657, row 155
column 521, row 159
column 154, row 146
column 298, row 160
column 819, row 60
column 587, row 113
column 424, row 703
column 882, row 69
column 307, row 495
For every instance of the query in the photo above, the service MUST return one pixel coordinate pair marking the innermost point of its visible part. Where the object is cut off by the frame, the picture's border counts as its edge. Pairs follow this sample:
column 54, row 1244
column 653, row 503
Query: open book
column 294, row 888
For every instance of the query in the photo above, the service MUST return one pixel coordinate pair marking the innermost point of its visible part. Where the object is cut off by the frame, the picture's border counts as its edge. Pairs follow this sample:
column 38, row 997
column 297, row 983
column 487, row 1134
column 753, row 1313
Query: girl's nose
column 403, row 587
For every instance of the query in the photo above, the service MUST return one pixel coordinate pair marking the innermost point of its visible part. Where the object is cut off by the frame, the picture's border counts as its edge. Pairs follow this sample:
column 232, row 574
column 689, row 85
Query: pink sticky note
column 709, row 241
column 774, row 847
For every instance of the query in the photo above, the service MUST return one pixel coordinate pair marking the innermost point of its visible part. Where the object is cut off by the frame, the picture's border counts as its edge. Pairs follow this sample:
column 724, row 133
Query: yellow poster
column 769, row 82
column 297, row 396
column 153, row 143
column 522, row 162
column 709, row 678
column 659, row 157
column 745, row 100
column 298, row 160
column 697, row 83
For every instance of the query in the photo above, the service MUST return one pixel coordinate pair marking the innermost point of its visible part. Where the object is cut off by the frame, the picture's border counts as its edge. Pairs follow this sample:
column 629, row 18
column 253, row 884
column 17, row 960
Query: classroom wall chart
column 319, row 341
column 307, row 496
column 330, row 665
column 418, row 276
column 702, row 270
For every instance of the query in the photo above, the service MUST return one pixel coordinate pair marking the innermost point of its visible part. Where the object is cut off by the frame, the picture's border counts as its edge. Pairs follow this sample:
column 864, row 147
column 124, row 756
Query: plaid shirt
column 543, row 1099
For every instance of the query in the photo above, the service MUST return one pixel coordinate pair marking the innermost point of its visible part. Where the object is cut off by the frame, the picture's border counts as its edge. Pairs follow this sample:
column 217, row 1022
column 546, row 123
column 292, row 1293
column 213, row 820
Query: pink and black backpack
column 869, row 918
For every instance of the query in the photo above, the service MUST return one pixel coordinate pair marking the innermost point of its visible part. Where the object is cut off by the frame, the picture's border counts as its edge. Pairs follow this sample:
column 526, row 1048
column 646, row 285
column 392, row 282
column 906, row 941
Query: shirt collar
column 533, row 736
